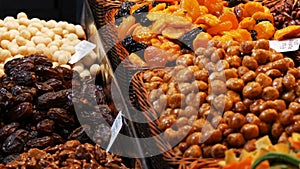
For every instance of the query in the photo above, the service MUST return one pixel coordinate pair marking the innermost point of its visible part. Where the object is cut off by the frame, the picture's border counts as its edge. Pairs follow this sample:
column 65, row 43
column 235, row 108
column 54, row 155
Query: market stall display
column 209, row 47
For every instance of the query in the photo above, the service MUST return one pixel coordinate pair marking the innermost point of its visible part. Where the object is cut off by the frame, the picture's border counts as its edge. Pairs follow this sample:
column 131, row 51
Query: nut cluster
column 285, row 12
column 37, row 107
column 226, row 96
column 71, row 154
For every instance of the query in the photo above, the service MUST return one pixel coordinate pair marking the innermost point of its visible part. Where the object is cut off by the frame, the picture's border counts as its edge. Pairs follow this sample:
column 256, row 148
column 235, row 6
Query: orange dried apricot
column 192, row 8
column 214, row 6
column 223, row 26
column 265, row 30
column 207, row 19
column 201, row 40
column 247, row 23
column 201, row 2
column 239, row 35
column 287, row 32
column 230, row 17
column 263, row 15
column 251, row 7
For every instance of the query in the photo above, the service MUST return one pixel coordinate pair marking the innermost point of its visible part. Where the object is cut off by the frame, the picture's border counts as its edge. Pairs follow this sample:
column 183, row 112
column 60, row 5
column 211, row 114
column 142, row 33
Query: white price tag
column 115, row 130
column 285, row 45
column 81, row 50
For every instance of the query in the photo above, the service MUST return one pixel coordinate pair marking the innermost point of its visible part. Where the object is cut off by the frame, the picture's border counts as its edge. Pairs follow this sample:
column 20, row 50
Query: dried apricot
column 201, row 40
column 265, row 30
column 287, row 32
column 262, row 15
column 251, row 7
column 247, row 23
column 239, row 35
column 192, row 8
column 214, row 6
column 208, row 19
column 230, row 17
column 223, row 26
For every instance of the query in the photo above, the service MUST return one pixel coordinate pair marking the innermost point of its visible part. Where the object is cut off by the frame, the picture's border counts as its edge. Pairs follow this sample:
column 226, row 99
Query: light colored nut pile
column 22, row 36
column 226, row 96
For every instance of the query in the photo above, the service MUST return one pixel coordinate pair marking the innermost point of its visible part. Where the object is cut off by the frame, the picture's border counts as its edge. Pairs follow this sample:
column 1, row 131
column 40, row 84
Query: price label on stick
column 285, row 45
column 115, row 130
column 81, row 50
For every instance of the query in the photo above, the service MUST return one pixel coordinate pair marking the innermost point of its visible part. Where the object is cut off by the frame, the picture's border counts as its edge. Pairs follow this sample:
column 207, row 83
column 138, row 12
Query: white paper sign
column 115, row 130
column 285, row 45
column 81, row 50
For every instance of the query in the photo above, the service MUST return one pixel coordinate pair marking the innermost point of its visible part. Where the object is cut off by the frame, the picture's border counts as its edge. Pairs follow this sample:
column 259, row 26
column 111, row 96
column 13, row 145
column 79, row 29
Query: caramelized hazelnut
column 252, row 90
column 268, row 115
column 250, row 131
column 236, row 140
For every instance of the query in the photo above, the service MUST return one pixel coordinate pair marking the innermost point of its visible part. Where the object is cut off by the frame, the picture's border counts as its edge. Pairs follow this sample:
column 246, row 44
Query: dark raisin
column 61, row 117
column 40, row 143
column 53, row 99
column 132, row 46
column 24, row 78
column 141, row 15
column 43, row 88
column 262, row 19
column 80, row 134
column 253, row 34
column 15, row 142
column 187, row 39
column 123, row 11
column 45, row 126
column 23, row 97
column 55, row 84
column 7, row 130
column 21, row 111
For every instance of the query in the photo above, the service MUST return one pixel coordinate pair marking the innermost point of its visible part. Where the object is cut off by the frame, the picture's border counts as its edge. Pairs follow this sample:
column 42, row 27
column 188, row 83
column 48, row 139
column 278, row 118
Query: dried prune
column 24, row 78
column 55, row 84
column 132, row 46
column 26, row 66
column 15, row 142
column 14, row 63
column 6, row 99
column 23, row 97
column 53, row 99
column 41, row 60
column 21, row 111
column 187, row 39
column 40, row 143
column 7, row 130
column 141, row 15
column 43, row 88
column 16, row 90
column 61, row 117
column 45, row 126
column 38, row 115
column 123, row 11
column 66, row 74
column 46, row 73
column 253, row 34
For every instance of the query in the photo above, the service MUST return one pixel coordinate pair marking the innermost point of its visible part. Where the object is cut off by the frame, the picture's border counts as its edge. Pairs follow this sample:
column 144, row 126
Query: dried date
column 7, row 130
column 15, row 142
column 21, row 111
column 53, row 99
column 40, row 143
column 61, row 117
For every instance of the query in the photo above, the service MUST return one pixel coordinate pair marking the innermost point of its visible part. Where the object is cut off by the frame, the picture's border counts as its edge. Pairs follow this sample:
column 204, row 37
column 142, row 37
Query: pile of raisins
column 37, row 107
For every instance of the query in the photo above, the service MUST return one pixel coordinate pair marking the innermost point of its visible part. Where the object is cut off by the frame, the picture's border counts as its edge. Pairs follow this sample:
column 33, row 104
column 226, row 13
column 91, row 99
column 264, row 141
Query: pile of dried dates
column 37, row 108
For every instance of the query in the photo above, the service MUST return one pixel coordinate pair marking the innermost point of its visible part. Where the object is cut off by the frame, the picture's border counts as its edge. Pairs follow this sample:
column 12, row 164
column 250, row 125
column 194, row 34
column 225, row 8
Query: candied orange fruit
column 251, row 7
column 230, row 17
column 223, row 26
column 247, row 23
column 192, row 8
column 265, row 30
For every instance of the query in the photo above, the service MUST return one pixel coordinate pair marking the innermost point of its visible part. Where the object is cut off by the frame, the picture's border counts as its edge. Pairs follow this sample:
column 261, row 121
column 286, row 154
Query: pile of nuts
column 285, row 12
column 37, row 107
column 226, row 96
column 22, row 36
column 71, row 154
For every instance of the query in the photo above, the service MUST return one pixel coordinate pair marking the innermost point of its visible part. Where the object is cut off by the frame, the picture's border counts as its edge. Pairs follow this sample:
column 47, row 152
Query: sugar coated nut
column 252, row 90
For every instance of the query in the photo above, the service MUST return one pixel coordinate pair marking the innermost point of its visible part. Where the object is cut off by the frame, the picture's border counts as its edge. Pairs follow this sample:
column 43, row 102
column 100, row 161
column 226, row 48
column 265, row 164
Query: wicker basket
column 140, row 99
